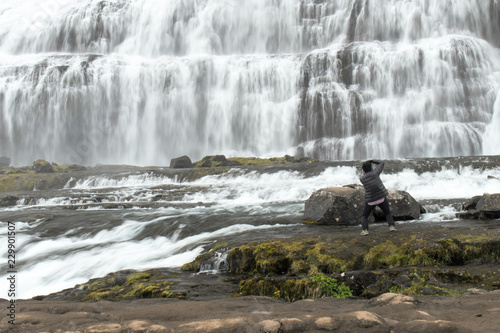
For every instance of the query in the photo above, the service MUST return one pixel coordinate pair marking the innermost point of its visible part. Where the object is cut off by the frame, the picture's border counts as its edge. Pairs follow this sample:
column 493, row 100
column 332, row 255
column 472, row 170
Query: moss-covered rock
column 293, row 289
column 413, row 262
column 220, row 160
column 368, row 266
column 30, row 178
column 42, row 166
column 285, row 257
column 127, row 284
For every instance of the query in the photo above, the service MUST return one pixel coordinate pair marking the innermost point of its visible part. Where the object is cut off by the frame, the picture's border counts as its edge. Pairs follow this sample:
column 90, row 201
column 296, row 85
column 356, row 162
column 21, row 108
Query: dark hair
column 367, row 166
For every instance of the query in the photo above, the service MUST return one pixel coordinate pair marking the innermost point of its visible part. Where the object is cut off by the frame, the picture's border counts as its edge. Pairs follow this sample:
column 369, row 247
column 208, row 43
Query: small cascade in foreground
column 216, row 263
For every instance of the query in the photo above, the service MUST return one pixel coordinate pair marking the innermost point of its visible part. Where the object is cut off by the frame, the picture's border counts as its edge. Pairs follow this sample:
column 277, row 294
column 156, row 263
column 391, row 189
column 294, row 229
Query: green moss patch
column 308, row 256
column 294, row 289
column 421, row 285
column 299, row 257
column 130, row 285
column 221, row 160
column 26, row 179
column 369, row 265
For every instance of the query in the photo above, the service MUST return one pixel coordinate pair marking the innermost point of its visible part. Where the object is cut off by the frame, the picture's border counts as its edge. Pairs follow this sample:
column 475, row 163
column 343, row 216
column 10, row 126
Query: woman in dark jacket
column 375, row 194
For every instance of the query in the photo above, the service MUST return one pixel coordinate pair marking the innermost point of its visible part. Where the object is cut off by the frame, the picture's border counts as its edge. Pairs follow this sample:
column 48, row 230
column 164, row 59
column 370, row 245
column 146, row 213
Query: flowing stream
column 138, row 220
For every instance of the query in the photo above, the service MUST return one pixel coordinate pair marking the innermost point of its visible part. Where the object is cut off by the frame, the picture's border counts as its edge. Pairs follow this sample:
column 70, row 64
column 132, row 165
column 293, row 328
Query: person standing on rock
column 375, row 194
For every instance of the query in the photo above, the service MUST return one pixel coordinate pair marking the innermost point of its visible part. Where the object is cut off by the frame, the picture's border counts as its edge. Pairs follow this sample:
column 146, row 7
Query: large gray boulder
column 403, row 207
column 486, row 206
column 344, row 206
column 335, row 205
column 182, row 162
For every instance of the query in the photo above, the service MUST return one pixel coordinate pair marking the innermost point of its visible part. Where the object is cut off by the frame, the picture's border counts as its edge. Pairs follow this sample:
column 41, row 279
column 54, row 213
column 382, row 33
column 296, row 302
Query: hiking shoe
column 364, row 233
column 392, row 228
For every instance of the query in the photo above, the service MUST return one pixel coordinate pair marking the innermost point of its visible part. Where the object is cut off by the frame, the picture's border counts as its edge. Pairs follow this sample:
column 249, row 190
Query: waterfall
column 143, row 81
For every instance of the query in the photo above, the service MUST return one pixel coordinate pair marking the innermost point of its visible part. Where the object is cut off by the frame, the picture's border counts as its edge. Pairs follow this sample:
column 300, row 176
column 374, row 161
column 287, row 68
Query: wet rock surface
column 344, row 205
column 486, row 206
column 465, row 266
column 397, row 279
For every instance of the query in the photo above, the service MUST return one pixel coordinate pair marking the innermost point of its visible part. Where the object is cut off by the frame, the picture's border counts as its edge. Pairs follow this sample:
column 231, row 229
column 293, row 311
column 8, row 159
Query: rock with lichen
column 123, row 285
column 42, row 166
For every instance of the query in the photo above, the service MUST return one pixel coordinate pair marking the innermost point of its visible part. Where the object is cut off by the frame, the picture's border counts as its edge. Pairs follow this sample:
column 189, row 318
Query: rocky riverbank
column 424, row 277
column 419, row 259
column 428, row 276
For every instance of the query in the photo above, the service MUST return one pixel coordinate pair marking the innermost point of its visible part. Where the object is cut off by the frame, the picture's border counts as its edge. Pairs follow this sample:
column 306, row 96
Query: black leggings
column 368, row 210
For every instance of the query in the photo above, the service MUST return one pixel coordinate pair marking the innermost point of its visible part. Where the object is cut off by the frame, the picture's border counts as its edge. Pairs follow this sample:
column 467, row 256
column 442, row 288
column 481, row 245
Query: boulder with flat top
column 335, row 205
column 344, row 206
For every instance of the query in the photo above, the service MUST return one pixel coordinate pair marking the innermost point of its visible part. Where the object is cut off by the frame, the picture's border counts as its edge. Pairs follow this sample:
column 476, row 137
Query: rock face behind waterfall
column 486, row 206
column 344, row 206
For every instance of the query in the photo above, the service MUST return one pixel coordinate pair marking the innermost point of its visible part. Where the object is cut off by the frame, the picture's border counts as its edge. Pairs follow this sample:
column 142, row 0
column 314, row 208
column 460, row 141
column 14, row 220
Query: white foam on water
column 52, row 264
column 446, row 213
column 254, row 189
column 141, row 180
column 445, row 184
column 55, row 264
column 251, row 188
column 286, row 186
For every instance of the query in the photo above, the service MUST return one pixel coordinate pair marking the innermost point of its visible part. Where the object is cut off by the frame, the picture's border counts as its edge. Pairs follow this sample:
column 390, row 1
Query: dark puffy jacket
column 374, row 188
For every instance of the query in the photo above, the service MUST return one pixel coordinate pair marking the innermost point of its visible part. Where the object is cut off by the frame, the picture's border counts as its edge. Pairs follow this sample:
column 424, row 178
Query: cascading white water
column 143, row 81
column 433, row 98
column 118, row 109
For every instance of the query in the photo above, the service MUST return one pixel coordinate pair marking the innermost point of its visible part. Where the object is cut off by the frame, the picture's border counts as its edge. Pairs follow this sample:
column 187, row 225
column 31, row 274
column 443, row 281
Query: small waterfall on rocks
column 217, row 263
column 143, row 81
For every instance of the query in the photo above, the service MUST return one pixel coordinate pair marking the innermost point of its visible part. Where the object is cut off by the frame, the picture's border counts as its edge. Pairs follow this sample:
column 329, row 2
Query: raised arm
column 380, row 166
